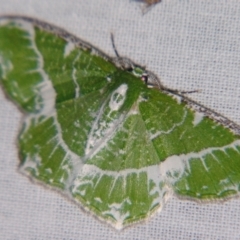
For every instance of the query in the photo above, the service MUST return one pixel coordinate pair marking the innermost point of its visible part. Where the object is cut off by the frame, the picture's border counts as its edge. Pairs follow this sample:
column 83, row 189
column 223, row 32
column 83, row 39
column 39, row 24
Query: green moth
column 105, row 132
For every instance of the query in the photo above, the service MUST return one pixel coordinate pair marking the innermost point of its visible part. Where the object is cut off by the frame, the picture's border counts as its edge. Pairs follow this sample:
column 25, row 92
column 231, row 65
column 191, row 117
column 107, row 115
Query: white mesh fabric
column 191, row 45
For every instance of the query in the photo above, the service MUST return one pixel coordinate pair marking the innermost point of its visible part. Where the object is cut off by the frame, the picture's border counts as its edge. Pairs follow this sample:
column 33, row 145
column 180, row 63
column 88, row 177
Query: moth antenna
column 113, row 45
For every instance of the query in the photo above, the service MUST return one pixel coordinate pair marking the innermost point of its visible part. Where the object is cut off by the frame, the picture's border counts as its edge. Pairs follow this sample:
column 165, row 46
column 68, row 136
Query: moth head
column 150, row 79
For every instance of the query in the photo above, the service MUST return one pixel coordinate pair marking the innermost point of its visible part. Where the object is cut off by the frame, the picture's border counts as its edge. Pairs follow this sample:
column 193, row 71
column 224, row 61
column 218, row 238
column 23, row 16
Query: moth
column 105, row 132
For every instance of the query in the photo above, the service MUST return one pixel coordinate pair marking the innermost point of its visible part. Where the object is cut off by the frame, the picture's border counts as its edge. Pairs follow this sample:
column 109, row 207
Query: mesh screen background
column 190, row 45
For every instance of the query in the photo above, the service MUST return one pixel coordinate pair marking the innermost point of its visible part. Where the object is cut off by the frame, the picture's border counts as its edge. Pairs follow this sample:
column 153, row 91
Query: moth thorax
column 123, row 63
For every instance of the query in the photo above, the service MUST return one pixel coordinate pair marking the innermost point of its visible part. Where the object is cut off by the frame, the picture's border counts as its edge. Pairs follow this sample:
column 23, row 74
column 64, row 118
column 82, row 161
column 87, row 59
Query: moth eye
column 144, row 78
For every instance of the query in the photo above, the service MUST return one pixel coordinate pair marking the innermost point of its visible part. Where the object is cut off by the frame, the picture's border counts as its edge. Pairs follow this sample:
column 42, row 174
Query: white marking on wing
column 118, row 97
column 69, row 47
column 158, row 133
column 198, row 117
column 102, row 131
column 77, row 87
column 5, row 65
column 174, row 166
